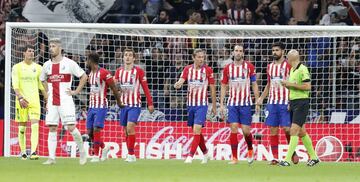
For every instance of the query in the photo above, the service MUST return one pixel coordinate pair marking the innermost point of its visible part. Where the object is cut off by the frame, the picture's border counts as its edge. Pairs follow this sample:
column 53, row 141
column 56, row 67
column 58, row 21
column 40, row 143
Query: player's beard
column 238, row 58
column 276, row 57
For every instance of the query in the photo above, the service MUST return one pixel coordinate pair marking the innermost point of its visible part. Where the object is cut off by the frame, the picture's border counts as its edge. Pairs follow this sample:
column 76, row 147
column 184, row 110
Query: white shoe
column 104, row 153
column 130, row 158
column 95, row 159
column 188, row 160
column 250, row 157
column 205, row 159
column 83, row 158
column 49, row 162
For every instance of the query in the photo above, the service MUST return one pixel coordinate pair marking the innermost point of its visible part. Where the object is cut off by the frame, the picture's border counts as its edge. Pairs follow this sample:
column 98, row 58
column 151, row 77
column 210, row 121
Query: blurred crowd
column 164, row 58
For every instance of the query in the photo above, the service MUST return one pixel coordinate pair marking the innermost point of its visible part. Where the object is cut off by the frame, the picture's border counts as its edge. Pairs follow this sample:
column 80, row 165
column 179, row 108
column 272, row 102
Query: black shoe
column 23, row 156
column 312, row 162
column 284, row 163
column 34, row 156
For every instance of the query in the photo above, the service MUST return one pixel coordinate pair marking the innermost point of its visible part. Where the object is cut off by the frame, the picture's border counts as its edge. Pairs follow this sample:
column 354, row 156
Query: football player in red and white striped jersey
column 277, row 113
column 99, row 80
column 199, row 76
column 239, row 76
column 129, row 79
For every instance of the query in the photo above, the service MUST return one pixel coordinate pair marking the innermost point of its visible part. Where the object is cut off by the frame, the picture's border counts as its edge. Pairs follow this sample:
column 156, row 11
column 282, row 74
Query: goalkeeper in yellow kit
column 26, row 84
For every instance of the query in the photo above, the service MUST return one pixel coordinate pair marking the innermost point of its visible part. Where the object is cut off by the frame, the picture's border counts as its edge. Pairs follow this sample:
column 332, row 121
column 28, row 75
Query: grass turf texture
column 69, row 170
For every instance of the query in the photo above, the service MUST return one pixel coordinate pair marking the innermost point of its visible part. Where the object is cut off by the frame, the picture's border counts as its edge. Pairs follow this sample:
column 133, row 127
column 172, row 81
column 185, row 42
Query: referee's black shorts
column 299, row 109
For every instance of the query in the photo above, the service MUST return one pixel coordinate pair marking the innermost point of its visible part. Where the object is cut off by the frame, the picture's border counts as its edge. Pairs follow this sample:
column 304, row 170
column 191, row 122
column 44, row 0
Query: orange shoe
column 250, row 156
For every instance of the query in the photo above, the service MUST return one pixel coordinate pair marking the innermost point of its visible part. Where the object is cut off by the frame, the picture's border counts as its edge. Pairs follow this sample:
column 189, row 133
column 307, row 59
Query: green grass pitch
column 69, row 170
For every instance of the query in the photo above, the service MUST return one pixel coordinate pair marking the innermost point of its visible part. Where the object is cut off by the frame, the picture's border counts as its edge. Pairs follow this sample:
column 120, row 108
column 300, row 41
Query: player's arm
column 305, row 85
column 212, row 89
column 144, row 85
column 255, row 87
column 223, row 90
column 77, row 71
column 41, row 86
column 110, row 82
column 182, row 79
column 16, row 86
column 264, row 94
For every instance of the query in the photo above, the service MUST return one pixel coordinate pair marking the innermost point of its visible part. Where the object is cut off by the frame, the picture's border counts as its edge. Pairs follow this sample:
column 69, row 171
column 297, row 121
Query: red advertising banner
column 172, row 140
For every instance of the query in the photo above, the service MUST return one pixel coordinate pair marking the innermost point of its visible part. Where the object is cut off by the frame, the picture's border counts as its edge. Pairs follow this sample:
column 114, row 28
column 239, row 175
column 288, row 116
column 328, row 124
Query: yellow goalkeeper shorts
column 29, row 113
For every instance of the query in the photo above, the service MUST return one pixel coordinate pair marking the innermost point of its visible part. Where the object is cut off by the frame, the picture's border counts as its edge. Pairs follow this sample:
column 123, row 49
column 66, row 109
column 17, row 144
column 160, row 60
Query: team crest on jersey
column 282, row 73
column 203, row 76
column 245, row 71
column 132, row 76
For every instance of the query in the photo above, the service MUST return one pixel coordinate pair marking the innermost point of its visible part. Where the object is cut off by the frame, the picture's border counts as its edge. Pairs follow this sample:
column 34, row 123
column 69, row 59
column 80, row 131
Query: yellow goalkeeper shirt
column 25, row 78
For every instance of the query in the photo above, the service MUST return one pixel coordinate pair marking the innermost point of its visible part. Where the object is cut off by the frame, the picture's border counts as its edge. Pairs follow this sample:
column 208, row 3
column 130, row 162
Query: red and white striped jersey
column 239, row 78
column 99, row 82
column 59, row 77
column 129, row 81
column 225, row 20
column 198, row 82
column 278, row 94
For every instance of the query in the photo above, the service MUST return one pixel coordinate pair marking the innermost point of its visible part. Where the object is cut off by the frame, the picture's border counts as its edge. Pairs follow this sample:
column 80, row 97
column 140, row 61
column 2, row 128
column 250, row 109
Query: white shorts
column 65, row 112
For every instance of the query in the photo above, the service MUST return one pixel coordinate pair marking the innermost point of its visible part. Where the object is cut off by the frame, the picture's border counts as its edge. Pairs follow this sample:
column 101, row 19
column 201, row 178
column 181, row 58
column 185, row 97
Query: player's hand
column 285, row 83
column 177, row 85
column 257, row 109
column 151, row 109
column 260, row 101
column 213, row 110
column 222, row 112
column 71, row 92
column 120, row 105
column 23, row 103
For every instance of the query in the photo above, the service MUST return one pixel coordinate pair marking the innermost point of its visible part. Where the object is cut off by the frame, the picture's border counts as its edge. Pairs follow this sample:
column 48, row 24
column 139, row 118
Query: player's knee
column 234, row 128
column 97, row 129
column 294, row 131
column 274, row 130
column 52, row 128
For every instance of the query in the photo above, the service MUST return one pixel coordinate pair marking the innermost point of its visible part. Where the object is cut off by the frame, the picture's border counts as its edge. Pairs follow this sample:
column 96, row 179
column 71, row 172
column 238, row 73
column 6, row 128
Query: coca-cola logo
column 330, row 149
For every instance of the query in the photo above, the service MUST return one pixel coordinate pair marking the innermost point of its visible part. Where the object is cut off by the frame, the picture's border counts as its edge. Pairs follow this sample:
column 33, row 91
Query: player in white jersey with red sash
column 199, row 77
column 276, row 112
column 129, row 79
column 99, row 80
column 57, row 75
column 239, row 76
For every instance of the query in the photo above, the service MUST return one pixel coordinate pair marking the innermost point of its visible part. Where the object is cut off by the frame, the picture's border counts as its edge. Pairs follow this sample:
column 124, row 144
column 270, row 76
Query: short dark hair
column 94, row 57
column 164, row 10
column 278, row 44
column 26, row 47
column 223, row 8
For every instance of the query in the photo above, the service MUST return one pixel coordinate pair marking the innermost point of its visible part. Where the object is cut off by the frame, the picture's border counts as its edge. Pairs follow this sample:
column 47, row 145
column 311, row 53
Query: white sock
column 52, row 143
column 78, row 139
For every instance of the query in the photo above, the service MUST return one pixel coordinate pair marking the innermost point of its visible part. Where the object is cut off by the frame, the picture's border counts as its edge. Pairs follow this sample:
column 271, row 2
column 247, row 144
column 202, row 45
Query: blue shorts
column 240, row 114
column 197, row 115
column 129, row 114
column 96, row 118
column 277, row 115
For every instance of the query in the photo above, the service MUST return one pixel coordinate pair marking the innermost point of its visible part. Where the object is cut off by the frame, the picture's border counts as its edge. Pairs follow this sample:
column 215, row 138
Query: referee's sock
column 22, row 138
column 309, row 146
column 34, row 136
column 294, row 140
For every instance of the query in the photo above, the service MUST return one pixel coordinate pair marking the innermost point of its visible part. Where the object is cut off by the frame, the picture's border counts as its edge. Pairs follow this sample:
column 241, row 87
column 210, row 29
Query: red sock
column 194, row 145
column 287, row 137
column 97, row 142
column 131, row 144
column 274, row 145
column 248, row 140
column 202, row 144
column 234, row 144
